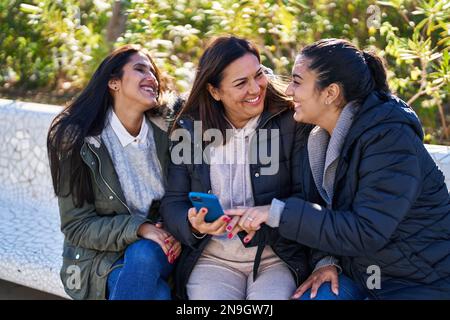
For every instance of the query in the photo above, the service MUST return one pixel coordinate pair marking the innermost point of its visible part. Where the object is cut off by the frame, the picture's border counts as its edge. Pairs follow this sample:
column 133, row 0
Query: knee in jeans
column 145, row 251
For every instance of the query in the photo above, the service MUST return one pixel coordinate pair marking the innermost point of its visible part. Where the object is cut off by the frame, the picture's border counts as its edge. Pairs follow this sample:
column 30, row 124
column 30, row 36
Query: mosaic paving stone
column 30, row 239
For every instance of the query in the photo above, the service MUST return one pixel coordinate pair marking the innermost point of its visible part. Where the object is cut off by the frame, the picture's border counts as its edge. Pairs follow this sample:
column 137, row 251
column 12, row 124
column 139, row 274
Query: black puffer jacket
column 292, row 178
column 391, row 207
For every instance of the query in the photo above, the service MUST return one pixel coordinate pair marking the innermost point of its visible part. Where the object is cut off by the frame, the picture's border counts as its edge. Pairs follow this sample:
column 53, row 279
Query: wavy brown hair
column 200, row 105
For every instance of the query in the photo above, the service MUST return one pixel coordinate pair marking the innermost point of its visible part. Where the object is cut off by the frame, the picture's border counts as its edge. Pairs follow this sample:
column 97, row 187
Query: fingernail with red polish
column 230, row 235
column 246, row 240
column 229, row 228
column 226, row 219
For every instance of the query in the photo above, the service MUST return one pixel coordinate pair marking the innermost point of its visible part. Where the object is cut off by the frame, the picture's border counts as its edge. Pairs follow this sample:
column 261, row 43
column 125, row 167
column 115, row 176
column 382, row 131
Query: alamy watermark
column 73, row 282
column 374, row 279
column 374, row 20
column 243, row 147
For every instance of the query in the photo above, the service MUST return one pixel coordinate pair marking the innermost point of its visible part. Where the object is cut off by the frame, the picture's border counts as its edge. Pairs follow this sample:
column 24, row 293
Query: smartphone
column 208, row 201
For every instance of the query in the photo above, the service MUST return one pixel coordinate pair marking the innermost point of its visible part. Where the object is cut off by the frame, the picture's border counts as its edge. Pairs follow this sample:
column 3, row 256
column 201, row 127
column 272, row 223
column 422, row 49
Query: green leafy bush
column 50, row 44
column 56, row 45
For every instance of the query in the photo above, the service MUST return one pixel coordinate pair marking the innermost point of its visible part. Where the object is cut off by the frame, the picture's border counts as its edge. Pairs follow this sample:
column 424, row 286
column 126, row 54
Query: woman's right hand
column 316, row 279
column 170, row 246
column 199, row 225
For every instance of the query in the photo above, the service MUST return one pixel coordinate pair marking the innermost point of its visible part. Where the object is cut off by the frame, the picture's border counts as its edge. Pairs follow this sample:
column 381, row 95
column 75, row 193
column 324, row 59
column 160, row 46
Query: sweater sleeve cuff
column 276, row 208
column 328, row 261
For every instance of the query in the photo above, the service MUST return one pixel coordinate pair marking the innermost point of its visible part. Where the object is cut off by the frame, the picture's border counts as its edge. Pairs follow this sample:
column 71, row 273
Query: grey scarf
column 324, row 152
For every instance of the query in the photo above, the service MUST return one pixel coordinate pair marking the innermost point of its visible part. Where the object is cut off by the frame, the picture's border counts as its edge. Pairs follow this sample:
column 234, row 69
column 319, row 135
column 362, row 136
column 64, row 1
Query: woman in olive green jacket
column 108, row 152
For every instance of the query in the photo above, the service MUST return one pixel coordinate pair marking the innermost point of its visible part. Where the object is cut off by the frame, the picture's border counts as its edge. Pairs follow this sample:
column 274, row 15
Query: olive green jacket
column 96, row 235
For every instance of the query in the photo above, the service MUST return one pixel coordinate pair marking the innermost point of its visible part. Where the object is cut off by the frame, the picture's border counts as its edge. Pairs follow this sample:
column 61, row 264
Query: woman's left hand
column 174, row 245
column 316, row 279
column 251, row 219
column 175, row 249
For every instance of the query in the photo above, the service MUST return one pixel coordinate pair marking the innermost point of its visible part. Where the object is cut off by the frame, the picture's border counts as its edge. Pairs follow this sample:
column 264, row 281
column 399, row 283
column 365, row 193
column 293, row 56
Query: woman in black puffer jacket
column 387, row 212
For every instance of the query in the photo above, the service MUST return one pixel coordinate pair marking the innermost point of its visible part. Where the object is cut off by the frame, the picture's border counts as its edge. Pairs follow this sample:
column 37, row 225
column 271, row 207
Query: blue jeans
column 143, row 275
column 348, row 290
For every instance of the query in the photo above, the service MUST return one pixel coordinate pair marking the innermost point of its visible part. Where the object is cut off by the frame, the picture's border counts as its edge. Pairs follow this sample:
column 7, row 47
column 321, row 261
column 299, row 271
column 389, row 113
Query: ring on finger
column 250, row 218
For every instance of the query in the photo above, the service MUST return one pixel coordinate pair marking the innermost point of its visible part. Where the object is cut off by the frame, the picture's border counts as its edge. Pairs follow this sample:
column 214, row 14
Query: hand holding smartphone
column 209, row 201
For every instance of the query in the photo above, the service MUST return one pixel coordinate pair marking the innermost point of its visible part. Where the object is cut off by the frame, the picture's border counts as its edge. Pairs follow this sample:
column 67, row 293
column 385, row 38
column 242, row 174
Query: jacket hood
column 164, row 115
column 379, row 109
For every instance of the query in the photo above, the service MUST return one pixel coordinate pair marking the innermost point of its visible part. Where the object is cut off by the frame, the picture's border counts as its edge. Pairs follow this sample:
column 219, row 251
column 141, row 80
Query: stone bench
column 30, row 236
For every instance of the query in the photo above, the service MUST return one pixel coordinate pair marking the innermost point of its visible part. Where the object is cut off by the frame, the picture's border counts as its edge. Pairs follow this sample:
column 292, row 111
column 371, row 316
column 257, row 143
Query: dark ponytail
column 338, row 61
column 376, row 66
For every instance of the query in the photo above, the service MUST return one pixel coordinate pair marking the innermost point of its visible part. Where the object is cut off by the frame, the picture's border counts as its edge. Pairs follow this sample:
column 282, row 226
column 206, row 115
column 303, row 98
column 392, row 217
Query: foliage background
column 49, row 49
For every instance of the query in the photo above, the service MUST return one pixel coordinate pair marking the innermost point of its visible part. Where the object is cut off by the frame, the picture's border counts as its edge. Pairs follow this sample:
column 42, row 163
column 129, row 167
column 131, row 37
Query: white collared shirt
column 136, row 163
column 124, row 136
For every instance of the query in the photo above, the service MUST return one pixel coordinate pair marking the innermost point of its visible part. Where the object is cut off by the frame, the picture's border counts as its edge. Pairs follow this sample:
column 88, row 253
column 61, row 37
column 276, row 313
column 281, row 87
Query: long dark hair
column 338, row 61
column 200, row 105
column 84, row 117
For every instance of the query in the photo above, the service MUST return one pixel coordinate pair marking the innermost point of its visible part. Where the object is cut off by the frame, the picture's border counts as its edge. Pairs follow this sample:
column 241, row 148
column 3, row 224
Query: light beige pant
column 212, row 279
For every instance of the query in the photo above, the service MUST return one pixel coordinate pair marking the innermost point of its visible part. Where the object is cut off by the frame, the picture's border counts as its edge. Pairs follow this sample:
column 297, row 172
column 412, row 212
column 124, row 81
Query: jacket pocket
column 76, row 269
column 104, row 207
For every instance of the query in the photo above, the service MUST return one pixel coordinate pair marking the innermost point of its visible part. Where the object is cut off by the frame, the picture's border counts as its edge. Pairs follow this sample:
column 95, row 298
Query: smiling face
column 309, row 102
column 138, row 87
column 242, row 90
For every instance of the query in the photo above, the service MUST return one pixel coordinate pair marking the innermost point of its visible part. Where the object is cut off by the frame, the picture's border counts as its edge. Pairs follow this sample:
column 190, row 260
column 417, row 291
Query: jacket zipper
column 101, row 176
column 261, row 127
column 271, row 117
column 289, row 266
